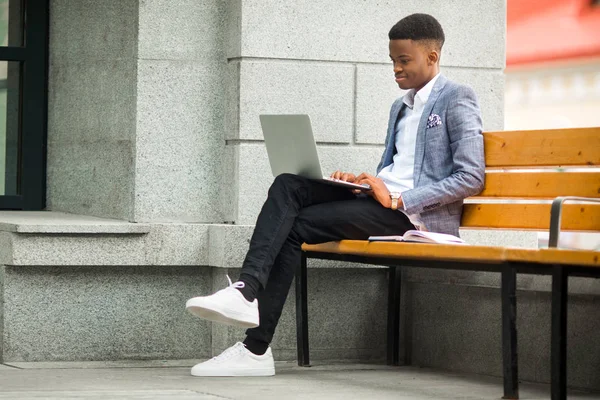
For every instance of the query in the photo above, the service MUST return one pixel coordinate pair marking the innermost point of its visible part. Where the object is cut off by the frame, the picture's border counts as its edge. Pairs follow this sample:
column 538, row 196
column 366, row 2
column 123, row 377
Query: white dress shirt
column 399, row 176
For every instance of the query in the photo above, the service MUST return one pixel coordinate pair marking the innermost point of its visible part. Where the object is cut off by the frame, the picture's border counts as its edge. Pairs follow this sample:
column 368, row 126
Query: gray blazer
column 449, row 159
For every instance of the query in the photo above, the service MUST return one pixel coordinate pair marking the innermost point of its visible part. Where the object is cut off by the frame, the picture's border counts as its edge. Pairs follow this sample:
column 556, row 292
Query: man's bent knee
column 288, row 180
column 286, row 177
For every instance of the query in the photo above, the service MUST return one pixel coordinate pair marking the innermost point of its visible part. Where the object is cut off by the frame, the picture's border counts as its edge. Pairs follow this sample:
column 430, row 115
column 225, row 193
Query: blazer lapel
column 399, row 112
column 421, row 130
column 390, row 143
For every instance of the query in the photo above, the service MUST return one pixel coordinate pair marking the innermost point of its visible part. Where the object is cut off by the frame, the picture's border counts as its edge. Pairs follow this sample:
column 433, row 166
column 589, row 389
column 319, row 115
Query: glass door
column 23, row 103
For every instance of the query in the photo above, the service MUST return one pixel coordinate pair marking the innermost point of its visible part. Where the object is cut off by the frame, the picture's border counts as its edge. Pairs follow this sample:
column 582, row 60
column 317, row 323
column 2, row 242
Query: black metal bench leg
column 302, row 314
column 558, row 354
column 393, row 323
column 509, row 334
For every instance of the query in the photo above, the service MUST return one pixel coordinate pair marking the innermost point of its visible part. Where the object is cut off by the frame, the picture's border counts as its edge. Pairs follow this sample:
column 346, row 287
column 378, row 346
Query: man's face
column 412, row 63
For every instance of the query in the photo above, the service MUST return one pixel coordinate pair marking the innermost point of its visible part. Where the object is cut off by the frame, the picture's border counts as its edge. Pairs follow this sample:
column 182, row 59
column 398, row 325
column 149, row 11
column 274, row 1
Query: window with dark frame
column 23, row 103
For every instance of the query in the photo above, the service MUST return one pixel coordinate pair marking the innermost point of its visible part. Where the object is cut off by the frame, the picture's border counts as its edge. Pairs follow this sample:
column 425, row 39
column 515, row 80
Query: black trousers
column 300, row 210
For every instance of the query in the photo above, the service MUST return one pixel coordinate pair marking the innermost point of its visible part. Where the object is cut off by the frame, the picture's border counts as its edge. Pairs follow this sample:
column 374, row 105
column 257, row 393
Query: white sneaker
column 237, row 361
column 228, row 306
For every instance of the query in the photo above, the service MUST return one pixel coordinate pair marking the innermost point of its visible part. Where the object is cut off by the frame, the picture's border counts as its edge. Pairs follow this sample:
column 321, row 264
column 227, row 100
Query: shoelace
column 237, row 285
column 234, row 350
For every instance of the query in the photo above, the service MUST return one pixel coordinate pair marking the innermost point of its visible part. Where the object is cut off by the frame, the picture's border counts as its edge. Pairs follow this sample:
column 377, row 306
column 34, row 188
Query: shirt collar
column 423, row 93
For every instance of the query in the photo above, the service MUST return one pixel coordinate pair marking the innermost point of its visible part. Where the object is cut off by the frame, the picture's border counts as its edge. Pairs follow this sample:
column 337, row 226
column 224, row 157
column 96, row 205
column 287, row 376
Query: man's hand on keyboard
column 379, row 190
column 343, row 176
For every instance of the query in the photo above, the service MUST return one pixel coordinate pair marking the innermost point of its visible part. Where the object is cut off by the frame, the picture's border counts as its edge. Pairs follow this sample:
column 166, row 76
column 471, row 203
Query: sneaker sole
column 240, row 372
column 212, row 313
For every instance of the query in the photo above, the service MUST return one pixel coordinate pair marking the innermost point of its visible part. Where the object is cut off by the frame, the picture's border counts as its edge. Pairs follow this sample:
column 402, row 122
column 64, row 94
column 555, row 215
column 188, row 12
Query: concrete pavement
column 137, row 380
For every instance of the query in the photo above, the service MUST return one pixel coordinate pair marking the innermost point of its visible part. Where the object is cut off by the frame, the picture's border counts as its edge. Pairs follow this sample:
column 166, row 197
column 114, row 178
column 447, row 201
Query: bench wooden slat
column 486, row 254
column 546, row 185
column 578, row 146
column 548, row 257
column 575, row 217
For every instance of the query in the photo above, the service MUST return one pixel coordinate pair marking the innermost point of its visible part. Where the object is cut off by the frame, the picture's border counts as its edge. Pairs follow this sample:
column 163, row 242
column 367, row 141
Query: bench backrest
column 523, row 175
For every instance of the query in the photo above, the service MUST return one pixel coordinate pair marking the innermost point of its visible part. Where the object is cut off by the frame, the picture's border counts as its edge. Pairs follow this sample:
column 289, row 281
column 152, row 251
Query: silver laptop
column 291, row 148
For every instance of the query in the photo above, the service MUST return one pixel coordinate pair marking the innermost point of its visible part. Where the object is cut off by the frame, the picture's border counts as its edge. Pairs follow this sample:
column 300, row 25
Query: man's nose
column 397, row 68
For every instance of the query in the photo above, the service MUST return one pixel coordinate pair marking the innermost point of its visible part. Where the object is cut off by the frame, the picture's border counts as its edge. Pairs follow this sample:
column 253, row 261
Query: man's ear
column 433, row 57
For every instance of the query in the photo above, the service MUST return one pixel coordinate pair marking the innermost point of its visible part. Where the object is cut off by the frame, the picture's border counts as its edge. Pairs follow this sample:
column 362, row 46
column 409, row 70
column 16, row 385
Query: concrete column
column 136, row 109
column 92, row 108
column 180, row 110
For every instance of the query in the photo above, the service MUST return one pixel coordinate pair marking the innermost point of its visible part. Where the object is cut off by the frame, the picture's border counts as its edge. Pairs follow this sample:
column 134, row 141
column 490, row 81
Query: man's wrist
column 395, row 200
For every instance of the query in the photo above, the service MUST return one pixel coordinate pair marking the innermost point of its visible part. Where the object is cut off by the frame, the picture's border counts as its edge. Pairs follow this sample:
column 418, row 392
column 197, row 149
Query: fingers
column 360, row 178
column 367, row 192
column 364, row 175
column 363, row 178
column 344, row 176
column 348, row 177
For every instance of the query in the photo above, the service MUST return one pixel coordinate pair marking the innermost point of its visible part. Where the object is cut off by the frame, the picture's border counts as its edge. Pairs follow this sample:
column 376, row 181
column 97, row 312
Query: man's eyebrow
column 400, row 56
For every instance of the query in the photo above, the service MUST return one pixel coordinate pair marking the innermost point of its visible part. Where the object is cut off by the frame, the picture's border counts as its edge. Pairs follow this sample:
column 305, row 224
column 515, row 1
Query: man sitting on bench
column 433, row 159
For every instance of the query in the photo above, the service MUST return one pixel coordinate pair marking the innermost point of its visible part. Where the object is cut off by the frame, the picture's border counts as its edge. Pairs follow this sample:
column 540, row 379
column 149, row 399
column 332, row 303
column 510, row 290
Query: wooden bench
column 518, row 168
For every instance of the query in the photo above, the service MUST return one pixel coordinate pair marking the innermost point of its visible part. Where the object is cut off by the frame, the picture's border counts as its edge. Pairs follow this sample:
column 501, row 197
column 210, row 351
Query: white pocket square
column 433, row 120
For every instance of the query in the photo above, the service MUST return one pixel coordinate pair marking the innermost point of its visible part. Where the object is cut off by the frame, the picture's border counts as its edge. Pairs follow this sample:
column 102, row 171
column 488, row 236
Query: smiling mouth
column 400, row 78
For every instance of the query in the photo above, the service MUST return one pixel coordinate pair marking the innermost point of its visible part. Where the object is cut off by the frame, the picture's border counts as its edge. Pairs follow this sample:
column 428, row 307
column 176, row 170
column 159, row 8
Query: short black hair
column 419, row 27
